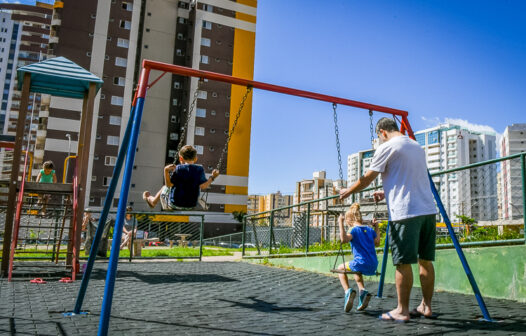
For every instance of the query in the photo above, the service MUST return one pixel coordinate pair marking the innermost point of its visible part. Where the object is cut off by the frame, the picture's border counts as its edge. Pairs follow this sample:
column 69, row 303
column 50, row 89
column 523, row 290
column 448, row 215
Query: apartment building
column 357, row 166
column 472, row 192
column 24, row 35
column 513, row 141
column 260, row 203
column 317, row 188
column 217, row 36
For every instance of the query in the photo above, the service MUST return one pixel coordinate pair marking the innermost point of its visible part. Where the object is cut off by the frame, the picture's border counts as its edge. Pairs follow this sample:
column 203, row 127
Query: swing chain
column 337, row 133
column 188, row 117
column 371, row 127
column 234, row 124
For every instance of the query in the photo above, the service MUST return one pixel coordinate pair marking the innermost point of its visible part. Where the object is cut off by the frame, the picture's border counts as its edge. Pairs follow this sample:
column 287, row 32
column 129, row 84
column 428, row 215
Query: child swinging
column 183, row 183
column 363, row 241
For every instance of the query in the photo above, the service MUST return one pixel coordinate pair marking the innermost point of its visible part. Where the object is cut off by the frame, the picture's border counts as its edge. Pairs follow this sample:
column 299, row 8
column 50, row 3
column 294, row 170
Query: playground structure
column 63, row 78
column 126, row 158
column 128, row 149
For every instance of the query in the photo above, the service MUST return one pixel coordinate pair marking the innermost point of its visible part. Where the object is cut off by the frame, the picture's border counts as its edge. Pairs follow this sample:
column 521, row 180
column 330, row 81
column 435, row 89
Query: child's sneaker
column 350, row 294
column 363, row 300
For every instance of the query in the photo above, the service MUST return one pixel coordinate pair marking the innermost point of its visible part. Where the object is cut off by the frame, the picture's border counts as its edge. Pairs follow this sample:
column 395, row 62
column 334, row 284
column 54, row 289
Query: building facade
column 110, row 38
column 317, row 188
column 260, row 203
column 471, row 192
column 24, row 35
column 513, row 141
column 217, row 36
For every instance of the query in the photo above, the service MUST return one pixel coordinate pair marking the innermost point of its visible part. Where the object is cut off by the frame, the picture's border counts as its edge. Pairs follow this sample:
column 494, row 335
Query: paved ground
column 232, row 298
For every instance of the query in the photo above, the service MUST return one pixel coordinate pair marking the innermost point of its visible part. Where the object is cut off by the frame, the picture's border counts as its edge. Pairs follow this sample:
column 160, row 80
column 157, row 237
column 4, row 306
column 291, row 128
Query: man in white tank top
column 412, row 214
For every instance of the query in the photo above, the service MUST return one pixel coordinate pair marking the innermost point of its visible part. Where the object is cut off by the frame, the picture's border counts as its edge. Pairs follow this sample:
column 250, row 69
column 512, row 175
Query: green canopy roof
column 58, row 77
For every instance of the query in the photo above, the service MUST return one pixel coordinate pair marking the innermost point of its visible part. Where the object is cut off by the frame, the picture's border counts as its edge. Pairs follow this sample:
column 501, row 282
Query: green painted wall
column 499, row 271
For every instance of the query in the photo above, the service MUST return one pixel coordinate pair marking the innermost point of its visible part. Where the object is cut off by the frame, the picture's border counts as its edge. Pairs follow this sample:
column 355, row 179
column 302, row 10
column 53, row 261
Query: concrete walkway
column 232, row 298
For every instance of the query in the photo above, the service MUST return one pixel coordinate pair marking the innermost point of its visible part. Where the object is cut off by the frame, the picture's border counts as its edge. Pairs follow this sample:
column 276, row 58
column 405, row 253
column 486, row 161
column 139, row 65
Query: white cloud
column 470, row 126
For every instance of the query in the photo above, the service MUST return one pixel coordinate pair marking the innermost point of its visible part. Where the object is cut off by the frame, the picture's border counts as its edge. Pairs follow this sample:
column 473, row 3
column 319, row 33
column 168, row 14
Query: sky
column 459, row 61
column 440, row 60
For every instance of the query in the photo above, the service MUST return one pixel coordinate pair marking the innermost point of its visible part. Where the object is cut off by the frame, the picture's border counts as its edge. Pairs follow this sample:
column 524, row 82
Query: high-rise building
column 217, row 36
column 260, row 203
column 110, row 39
column 24, row 35
column 472, row 192
column 101, row 37
column 513, row 141
column 317, row 188
column 357, row 166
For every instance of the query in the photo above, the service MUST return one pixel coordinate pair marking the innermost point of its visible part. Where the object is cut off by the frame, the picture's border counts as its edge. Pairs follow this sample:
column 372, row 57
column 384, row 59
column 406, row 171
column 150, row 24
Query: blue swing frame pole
column 460, row 253
column 121, row 210
column 103, row 216
column 384, row 263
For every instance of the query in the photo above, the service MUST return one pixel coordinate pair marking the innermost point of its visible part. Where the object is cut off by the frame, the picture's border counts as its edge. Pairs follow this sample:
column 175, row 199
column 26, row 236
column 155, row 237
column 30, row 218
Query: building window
column 110, row 160
column 213, row 112
column 173, row 118
column 113, row 140
column 421, row 139
column 201, row 94
column 207, row 25
column 174, row 101
column 199, row 149
column 93, row 178
column 177, row 85
column 200, row 112
column 174, row 136
column 204, row 59
column 88, row 54
column 199, row 131
column 116, row 100
column 171, row 153
column 181, row 20
column 205, row 42
column 125, row 24
column 208, row 8
column 214, row 94
column 115, row 120
column 433, row 137
column 179, row 52
column 120, row 81
column 123, row 43
column 127, row 5
column 212, row 130
column 106, row 180
column 180, row 36
column 122, row 62
column 211, row 148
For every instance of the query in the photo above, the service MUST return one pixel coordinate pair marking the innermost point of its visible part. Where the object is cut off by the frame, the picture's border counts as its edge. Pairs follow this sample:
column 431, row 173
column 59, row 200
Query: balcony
column 56, row 21
column 53, row 39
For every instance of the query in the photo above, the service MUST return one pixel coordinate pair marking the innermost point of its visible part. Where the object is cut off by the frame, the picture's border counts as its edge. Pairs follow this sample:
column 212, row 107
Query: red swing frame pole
column 184, row 71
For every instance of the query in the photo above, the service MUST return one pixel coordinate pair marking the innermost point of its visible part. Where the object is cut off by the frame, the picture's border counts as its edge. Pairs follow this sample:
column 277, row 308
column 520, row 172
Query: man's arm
column 359, row 185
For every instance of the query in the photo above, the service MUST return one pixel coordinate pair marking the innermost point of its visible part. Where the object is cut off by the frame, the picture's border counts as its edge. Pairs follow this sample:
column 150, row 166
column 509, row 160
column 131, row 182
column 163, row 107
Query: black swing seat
column 335, row 270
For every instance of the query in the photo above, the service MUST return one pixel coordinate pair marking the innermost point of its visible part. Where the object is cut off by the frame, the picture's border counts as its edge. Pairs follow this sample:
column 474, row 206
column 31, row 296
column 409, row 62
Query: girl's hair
column 353, row 214
column 48, row 165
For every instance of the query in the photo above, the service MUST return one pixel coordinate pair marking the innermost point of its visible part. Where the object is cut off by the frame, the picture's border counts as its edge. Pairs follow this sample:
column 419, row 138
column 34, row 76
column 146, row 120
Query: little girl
column 363, row 241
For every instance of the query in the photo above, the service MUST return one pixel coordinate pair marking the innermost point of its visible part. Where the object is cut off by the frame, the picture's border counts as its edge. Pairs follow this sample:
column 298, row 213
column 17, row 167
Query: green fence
column 485, row 202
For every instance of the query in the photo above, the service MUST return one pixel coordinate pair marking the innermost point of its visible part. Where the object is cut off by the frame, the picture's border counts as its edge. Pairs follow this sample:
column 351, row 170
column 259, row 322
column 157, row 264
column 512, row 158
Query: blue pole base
column 71, row 314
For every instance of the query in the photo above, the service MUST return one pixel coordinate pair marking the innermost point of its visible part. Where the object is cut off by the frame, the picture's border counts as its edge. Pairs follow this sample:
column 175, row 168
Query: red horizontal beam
column 184, row 71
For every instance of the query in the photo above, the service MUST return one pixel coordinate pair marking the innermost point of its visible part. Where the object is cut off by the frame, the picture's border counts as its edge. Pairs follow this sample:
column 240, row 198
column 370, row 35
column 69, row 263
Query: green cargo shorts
column 412, row 239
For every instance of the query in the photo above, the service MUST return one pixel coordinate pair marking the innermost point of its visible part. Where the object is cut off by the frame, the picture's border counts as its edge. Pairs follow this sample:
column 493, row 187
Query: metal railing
column 484, row 212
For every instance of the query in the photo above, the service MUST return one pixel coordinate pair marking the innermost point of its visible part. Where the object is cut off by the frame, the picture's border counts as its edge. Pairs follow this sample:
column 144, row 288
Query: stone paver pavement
column 233, row 298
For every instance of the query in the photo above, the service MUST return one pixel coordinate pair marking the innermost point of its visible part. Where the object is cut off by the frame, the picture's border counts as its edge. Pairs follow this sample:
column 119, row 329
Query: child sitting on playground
column 46, row 175
column 182, row 183
column 363, row 241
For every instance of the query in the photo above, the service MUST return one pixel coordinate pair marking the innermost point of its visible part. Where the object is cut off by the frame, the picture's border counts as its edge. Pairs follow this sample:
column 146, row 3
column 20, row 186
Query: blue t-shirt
column 363, row 249
column 186, row 179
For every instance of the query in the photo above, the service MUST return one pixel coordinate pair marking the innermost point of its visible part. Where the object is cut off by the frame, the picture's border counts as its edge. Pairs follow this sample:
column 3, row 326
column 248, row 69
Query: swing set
column 127, row 152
